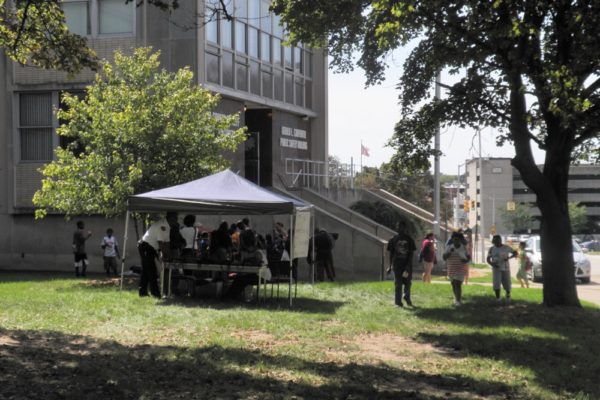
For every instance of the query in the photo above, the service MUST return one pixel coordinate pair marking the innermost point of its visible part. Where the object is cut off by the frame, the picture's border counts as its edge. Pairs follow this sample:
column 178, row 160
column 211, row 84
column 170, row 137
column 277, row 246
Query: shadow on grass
column 51, row 365
column 558, row 344
column 42, row 276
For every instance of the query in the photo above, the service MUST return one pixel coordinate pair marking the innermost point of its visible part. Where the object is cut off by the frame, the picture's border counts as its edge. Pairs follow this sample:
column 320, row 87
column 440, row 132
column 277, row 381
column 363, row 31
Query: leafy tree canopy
column 138, row 128
column 578, row 216
column 530, row 69
column 517, row 220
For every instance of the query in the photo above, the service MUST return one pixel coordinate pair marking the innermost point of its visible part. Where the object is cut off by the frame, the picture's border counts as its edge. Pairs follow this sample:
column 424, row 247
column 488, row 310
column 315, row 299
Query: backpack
column 425, row 250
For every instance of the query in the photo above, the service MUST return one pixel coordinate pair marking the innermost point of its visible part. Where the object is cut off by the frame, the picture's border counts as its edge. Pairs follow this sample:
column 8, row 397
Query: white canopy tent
column 223, row 193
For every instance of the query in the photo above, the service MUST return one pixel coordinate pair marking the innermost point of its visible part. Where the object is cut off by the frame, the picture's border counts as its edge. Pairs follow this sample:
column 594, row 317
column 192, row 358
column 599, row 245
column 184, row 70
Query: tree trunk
column 557, row 251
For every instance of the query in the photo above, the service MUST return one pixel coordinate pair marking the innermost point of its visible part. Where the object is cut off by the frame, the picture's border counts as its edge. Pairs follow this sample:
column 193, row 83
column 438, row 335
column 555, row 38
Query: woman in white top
column 188, row 232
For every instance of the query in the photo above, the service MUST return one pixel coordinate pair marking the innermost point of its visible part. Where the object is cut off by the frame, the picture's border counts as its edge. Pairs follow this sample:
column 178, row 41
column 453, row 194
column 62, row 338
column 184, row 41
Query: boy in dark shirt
column 401, row 248
column 79, row 239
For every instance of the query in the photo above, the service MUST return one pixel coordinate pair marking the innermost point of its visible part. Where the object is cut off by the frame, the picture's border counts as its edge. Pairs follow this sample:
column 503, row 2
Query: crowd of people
column 457, row 255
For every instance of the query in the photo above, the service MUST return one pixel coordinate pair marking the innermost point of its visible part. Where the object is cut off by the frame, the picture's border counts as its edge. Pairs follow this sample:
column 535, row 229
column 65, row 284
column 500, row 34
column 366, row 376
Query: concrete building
column 499, row 184
column 279, row 91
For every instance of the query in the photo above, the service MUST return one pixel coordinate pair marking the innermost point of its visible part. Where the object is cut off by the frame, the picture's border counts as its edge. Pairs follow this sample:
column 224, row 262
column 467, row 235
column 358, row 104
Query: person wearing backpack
column 401, row 248
column 427, row 256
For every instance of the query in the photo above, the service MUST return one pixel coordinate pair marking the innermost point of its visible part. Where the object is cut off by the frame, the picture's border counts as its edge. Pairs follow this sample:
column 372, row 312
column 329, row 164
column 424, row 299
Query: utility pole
column 436, row 171
column 480, row 208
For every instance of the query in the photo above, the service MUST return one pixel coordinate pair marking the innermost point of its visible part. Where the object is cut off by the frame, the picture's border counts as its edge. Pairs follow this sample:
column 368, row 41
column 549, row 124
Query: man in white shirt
column 149, row 247
column 111, row 252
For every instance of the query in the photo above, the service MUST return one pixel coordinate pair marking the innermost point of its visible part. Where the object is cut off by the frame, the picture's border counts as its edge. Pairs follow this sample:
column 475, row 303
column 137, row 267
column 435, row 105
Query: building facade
column 498, row 186
column 279, row 91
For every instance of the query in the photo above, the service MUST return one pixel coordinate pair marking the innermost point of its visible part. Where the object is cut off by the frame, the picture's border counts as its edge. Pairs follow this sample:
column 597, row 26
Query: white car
column 582, row 265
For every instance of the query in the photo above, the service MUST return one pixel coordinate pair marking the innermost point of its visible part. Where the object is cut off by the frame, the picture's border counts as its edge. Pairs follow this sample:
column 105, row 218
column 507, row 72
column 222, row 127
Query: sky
column 369, row 114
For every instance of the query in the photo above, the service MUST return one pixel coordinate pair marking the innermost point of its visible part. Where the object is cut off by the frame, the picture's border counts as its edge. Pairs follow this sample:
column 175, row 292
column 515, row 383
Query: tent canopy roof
column 223, row 193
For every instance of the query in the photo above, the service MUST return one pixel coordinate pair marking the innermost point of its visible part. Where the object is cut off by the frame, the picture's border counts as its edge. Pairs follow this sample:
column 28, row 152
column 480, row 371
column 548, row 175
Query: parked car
column 583, row 267
column 592, row 245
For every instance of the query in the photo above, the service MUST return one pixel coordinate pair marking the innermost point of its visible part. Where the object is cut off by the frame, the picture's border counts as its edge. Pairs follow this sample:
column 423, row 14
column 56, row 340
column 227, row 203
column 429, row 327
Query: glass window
column 227, row 60
column 226, row 39
column 212, row 29
column 116, row 16
column 278, row 85
column 289, row 88
column 35, row 126
column 287, row 57
column 240, row 37
column 265, row 17
column 267, row 83
column 254, row 78
column 300, row 92
column 77, row 17
column 277, row 28
column 212, row 68
column 298, row 60
column 265, row 47
column 254, row 12
column 241, row 76
column 241, row 9
column 308, row 59
column 252, row 42
column 276, row 55
column 308, row 96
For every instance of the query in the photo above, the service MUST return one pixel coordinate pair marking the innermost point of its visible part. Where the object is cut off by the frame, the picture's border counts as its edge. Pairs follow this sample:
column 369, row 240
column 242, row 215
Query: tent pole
column 291, row 255
column 312, row 248
column 124, row 247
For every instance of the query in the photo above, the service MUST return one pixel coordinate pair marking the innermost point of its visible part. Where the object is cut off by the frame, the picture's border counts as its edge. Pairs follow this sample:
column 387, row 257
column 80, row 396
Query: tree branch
column 21, row 26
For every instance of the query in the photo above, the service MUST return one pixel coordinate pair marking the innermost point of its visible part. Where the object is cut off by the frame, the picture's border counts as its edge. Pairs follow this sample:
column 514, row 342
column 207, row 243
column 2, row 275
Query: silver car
column 582, row 265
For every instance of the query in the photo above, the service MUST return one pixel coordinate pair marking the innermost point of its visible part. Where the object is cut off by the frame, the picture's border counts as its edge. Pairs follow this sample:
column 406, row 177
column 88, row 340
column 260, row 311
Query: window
column 265, row 47
column 77, row 17
column 254, row 78
column 115, row 16
column 252, row 42
column 298, row 60
column 35, row 126
column 254, row 12
column 227, row 60
column 226, row 39
column 265, row 17
column 212, row 29
column 267, row 82
column 240, row 37
column 276, row 55
column 289, row 88
column 300, row 92
column 97, row 17
column 241, row 75
column 241, row 9
column 212, row 67
column 287, row 57
column 278, row 86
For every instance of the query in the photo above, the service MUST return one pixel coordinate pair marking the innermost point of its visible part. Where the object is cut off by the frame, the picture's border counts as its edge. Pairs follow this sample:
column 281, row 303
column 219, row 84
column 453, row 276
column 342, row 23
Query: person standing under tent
column 80, row 256
column 401, row 248
column 188, row 232
column 154, row 240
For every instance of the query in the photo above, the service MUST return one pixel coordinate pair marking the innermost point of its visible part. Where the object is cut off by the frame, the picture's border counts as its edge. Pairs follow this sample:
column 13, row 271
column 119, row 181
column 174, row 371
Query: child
column 498, row 257
column 111, row 252
column 523, row 264
column 80, row 236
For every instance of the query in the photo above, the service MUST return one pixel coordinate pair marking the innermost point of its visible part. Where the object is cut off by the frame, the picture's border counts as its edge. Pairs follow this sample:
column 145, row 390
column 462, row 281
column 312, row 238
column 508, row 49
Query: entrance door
column 259, row 153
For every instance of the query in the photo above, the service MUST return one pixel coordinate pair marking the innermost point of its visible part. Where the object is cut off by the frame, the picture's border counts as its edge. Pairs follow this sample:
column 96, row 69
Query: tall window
column 115, row 16
column 77, row 16
column 35, row 126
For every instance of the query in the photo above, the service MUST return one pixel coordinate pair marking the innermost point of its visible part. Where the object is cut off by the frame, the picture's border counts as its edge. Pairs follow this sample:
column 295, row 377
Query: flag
column 364, row 151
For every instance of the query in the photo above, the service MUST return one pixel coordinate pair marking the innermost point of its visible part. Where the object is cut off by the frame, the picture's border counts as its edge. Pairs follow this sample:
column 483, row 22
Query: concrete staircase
column 360, row 253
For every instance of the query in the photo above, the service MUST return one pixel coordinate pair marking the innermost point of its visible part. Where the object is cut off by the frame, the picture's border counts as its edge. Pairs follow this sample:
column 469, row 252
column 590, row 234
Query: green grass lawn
column 66, row 338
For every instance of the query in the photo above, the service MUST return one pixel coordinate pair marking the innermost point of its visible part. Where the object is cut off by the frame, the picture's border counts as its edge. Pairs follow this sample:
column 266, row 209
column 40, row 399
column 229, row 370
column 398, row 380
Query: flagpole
column 361, row 151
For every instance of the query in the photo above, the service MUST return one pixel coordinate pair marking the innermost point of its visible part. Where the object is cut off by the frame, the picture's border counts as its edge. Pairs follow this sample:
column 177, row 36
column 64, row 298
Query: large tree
column 526, row 68
column 136, row 129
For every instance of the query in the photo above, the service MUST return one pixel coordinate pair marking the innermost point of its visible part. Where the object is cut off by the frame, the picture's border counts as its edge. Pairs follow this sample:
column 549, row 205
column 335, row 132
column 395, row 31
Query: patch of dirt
column 476, row 273
column 8, row 341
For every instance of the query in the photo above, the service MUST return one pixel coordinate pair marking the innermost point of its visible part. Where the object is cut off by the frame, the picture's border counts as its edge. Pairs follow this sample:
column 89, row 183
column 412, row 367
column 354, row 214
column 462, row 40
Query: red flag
column 364, row 151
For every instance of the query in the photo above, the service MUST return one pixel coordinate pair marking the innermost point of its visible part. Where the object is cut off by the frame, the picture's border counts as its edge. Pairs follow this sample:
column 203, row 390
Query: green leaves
column 142, row 128
column 34, row 32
